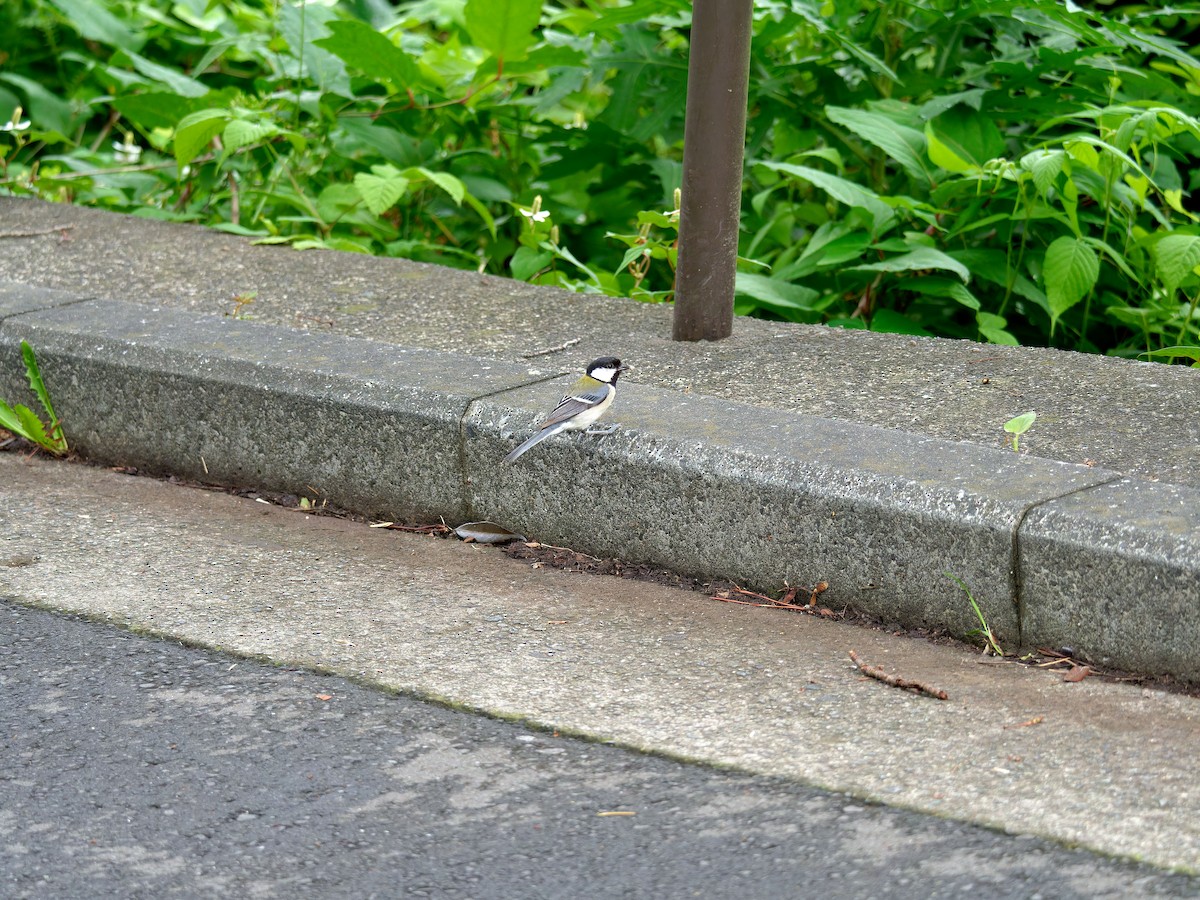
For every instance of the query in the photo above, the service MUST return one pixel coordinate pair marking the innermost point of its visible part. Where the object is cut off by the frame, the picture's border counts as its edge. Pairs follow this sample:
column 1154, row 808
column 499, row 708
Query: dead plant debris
column 787, row 601
column 1028, row 723
column 918, row 687
column 1077, row 673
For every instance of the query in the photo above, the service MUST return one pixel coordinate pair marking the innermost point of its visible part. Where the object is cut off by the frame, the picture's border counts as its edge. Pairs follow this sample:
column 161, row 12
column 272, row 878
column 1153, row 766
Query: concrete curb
column 1054, row 553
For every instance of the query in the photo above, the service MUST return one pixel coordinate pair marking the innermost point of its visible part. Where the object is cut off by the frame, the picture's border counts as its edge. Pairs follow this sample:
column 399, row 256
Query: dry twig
column 787, row 601
column 896, row 681
column 56, row 229
column 548, row 351
column 1028, row 723
column 535, row 545
column 440, row 528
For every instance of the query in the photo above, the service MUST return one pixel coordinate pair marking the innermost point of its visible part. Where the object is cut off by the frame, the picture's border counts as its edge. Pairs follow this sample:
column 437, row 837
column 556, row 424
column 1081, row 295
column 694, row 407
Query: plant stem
column 1188, row 320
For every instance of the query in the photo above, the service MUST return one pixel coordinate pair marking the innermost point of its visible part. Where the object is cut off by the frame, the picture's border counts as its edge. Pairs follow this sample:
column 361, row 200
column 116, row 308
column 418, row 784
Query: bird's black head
column 607, row 369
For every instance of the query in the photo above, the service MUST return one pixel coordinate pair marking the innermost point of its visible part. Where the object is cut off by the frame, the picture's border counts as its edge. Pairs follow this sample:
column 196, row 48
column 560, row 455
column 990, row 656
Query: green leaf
column 472, row 201
column 839, row 189
column 447, row 182
column 632, row 254
column 903, row 144
column 936, row 106
column 380, row 189
column 32, row 427
column 243, row 132
column 916, row 259
column 302, row 25
column 503, row 27
column 1174, row 200
column 1020, row 424
column 1070, row 270
column 94, row 22
column 992, row 329
column 48, row 111
column 22, row 421
column 172, row 78
column 38, row 386
column 992, row 265
column 527, row 262
column 1045, row 165
column 773, row 293
column 937, row 286
column 889, row 321
column 1178, row 352
column 1176, row 257
column 362, row 47
column 196, row 130
column 9, row 420
column 154, row 109
column 961, row 140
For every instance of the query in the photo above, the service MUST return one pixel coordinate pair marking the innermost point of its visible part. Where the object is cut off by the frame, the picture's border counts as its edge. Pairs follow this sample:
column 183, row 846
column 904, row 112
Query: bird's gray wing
column 532, row 442
column 575, row 403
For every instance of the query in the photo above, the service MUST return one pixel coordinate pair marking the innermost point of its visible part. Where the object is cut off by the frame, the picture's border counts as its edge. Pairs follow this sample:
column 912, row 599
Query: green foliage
column 24, row 422
column 1011, row 171
column 991, row 645
column 1018, row 425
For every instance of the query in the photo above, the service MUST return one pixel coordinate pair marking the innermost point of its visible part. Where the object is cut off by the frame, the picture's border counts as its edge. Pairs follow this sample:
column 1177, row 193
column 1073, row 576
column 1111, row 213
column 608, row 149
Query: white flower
column 15, row 125
column 540, row 215
column 127, row 151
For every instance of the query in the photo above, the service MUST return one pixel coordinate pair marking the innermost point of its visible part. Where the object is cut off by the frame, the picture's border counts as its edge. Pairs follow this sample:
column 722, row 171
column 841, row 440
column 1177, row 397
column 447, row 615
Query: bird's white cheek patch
column 604, row 374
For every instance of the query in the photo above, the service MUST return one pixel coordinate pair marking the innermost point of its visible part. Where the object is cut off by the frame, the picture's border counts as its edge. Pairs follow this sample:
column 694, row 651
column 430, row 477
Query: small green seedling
column 240, row 302
column 23, row 422
column 991, row 645
column 1018, row 426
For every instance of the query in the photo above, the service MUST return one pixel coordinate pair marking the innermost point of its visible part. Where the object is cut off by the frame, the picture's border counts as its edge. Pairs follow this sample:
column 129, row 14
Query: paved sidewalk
column 1105, row 766
column 786, row 455
column 138, row 768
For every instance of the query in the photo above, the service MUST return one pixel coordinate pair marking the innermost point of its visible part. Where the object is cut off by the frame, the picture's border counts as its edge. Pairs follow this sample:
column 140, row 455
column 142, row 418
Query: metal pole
column 714, row 135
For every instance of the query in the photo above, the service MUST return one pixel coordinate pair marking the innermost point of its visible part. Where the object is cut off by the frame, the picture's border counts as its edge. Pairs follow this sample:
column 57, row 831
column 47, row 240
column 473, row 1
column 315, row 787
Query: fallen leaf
column 617, row 813
column 1078, row 673
column 487, row 533
column 382, row 524
column 324, row 696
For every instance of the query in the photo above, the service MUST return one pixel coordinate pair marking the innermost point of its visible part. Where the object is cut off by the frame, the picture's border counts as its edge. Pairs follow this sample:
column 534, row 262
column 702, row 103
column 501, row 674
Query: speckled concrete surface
column 760, row 458
column 1134, row 418
column 1107, row 766
column 704, row 486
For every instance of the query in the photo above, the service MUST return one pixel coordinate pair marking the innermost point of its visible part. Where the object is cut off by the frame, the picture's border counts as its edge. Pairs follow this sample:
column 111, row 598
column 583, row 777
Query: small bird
column 586, row 402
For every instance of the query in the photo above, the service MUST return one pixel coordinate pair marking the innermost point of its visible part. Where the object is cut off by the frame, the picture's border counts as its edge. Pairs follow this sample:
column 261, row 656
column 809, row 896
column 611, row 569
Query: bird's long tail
column 533, row 442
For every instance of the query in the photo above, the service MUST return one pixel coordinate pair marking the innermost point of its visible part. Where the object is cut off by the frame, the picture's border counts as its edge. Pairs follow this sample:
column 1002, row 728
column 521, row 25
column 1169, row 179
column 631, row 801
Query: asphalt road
column 136, row 767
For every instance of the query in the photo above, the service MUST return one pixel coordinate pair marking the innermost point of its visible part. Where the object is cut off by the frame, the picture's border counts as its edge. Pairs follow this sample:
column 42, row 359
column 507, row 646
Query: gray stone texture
column 1110, row 766
column 1113, row 573
column 785, row 455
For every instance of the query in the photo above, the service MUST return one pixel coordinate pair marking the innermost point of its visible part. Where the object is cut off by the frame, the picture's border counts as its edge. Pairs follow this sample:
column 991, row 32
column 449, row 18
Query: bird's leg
column 597, row 430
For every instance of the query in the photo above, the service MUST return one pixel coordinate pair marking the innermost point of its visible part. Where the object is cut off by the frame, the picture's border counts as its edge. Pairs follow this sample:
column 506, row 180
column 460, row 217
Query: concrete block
column 17, row 298
column 1113, row 572
column 371, row 427
column 767, row 498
